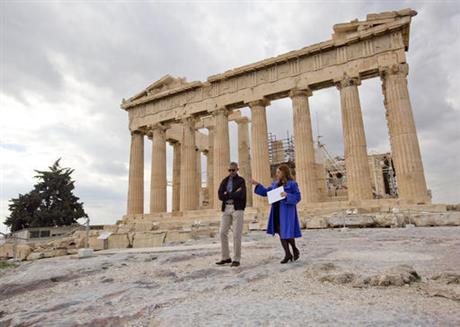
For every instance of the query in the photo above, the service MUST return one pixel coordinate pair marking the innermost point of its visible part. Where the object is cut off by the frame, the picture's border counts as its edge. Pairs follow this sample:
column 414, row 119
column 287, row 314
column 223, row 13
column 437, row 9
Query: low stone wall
column 145, row 233
column 393, row 219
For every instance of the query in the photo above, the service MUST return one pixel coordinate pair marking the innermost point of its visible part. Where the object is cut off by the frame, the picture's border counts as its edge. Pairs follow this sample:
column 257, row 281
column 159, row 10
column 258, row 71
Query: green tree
column 50, row 203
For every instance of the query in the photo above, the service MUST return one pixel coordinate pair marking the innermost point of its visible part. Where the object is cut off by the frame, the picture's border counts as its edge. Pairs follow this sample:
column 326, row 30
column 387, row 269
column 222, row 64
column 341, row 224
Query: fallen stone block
column 351, row 221
column 118, row 241
column 449, row 218
column 148, row 239
column 389, row 219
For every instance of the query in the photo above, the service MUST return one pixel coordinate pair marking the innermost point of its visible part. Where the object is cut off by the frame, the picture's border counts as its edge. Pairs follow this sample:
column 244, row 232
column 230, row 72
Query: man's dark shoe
column 235, row 264
column 223, row 262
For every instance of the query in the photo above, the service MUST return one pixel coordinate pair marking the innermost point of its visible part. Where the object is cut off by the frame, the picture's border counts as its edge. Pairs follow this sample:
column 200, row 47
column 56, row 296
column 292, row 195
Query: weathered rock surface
column 395, row 276
column 402, row 276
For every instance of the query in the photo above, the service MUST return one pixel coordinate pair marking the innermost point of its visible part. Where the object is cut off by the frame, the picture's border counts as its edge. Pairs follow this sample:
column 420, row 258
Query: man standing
column 232, row 193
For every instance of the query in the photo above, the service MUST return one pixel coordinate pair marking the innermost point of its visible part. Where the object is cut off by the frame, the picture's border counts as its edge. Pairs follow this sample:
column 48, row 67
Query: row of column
column 403, row 140
column 186, row 179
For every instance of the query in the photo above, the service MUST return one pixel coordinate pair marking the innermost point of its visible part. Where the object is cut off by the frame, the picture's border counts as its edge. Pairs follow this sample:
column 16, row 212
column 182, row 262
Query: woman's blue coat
column 289, row 220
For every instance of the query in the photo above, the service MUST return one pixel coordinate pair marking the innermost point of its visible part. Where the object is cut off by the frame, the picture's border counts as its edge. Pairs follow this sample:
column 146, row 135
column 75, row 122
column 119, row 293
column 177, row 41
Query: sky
column 66, row 66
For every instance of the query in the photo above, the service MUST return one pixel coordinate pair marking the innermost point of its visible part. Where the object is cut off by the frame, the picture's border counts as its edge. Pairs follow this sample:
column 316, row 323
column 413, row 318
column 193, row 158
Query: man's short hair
column 233, row 164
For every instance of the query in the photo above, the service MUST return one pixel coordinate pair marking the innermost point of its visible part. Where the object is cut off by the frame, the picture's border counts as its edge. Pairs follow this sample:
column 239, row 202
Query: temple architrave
column 173, row 110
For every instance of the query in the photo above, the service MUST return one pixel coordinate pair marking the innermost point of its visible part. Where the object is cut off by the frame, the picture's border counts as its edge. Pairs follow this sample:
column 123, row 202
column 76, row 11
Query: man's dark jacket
column 238, row 194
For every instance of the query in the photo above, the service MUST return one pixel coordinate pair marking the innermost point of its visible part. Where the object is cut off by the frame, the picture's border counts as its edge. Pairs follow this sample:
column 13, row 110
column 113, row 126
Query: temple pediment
column 162, row 86
column 342, row 30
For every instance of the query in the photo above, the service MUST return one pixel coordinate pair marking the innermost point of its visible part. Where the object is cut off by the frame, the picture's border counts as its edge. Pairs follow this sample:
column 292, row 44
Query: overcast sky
column 66, row 67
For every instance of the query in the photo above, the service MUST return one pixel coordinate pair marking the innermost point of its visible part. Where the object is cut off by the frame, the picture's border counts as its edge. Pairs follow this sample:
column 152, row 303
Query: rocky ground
column 371, row 277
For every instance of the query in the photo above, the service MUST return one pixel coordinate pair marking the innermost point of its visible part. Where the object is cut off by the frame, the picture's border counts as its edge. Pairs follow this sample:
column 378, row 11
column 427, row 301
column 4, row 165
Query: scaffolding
column 282, row 151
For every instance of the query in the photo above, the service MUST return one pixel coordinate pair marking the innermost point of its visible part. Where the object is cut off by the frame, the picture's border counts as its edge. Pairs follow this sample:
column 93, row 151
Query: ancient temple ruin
column 357, row 189
column 173, row 110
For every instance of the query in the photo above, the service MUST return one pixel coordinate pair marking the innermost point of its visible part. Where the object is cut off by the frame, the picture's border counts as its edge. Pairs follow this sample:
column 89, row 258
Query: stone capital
column 221, row 110
column 300, row 93
column 137, row 131
column 154, row 128
column 188, row 120
column 259, row 103
column 241, row 120
column 347, row 81
column 158, row 126
column 396, row 69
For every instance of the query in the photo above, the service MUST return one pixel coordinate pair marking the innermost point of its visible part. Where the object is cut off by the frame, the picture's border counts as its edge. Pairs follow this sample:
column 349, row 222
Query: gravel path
column 360, row 277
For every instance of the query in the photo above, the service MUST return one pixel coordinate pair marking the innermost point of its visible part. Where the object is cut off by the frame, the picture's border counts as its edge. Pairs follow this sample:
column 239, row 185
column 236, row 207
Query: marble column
column 221, row 150
column 176, row 176
column 206, row 189
column 210, row 167
column 260, row 164
column 198, row 176
column 304, row 150
column 188, row 194
column 244, row 161
column 136, row 174
column 158, row 170
column 405, row 148
column 356, row 162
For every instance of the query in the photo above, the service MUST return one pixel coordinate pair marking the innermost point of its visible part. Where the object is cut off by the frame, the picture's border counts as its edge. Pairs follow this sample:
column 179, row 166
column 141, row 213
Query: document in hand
column 275, row 195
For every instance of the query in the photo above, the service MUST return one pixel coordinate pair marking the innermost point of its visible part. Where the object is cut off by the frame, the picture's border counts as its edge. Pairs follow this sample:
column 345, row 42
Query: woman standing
column 283, row 218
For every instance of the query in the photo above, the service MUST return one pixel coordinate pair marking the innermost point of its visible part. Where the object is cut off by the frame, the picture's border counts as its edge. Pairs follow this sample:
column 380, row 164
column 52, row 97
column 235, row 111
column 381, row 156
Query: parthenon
column 173, row 110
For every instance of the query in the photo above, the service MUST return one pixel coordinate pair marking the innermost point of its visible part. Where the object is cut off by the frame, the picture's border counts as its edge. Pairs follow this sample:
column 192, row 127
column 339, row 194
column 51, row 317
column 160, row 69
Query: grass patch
column 6, row 265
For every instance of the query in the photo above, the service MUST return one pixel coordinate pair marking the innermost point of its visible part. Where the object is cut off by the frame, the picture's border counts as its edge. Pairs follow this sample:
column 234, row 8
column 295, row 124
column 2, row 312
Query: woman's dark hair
column 286, row 173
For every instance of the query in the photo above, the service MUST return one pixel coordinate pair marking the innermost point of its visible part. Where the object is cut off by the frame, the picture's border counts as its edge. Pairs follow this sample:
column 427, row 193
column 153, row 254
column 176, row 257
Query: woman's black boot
column 287, row 253
column 295, row 250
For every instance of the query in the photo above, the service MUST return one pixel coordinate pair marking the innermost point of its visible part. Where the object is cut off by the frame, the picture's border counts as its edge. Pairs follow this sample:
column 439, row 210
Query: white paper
column 275, row 195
